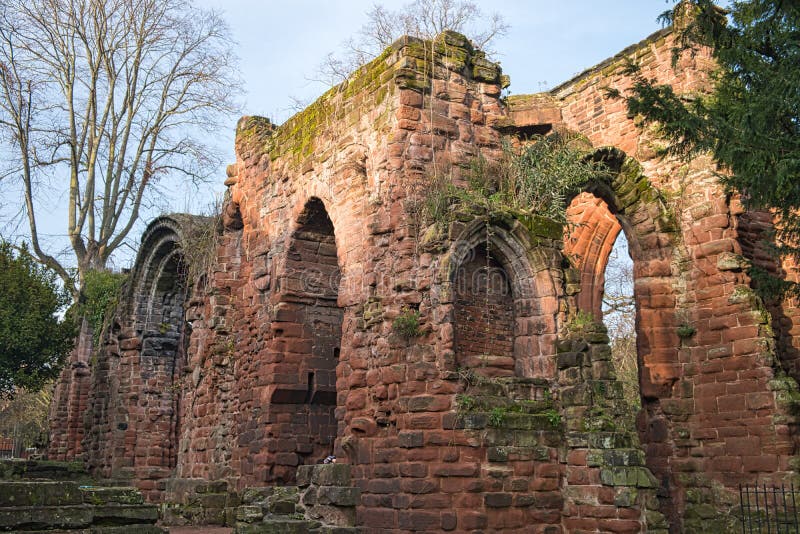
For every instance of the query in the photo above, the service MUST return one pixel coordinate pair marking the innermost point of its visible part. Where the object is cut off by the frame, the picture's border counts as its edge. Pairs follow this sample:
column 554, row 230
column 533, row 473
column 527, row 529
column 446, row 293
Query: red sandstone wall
column 366, row 152
column 70, row 401
column 713, row 408
column 394, row 396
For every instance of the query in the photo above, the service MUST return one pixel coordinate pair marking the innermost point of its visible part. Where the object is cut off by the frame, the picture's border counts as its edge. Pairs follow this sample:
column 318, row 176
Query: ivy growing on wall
column 99, row 297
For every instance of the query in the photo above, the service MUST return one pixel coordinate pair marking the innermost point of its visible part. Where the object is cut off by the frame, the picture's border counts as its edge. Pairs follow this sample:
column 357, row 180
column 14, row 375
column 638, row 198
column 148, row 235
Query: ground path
column 200, row 530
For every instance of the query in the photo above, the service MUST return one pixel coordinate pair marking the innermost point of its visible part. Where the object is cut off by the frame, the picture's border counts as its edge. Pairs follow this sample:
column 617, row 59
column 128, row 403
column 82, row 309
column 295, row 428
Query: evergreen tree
column 33, row 340
column 750, row 120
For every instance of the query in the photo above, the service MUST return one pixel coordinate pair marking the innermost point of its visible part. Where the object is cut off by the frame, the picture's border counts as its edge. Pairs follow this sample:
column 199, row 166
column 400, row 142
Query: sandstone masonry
column 495, row 413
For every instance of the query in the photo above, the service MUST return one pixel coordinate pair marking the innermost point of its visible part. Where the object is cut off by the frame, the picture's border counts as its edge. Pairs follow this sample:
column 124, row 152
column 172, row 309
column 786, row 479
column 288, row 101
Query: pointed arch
column 307, row 332
column 505, row 300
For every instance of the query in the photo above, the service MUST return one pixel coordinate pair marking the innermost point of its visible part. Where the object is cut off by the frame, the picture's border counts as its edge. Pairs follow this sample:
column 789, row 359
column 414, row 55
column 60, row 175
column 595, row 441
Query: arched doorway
column 598, row 246
column 627, row 204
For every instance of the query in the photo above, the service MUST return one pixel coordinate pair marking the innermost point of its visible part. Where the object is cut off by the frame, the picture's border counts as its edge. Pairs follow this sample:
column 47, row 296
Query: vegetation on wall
column 407, row 323
column 534, row 178
column 199, row 240
column 101, row 291
column 424, row 19
column 749, row 120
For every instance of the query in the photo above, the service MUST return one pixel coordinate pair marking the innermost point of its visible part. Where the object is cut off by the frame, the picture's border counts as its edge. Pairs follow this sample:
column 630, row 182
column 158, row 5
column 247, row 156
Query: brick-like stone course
column 493, row 415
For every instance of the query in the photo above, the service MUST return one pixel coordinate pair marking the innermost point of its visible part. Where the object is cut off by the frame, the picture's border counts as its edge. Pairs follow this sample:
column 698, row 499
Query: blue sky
column 281, row 43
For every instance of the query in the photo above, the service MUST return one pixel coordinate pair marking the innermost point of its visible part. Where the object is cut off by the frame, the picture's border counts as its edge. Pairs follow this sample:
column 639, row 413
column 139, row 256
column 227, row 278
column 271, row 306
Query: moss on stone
column 542, row 226
column 297, row 137
column 407, row 64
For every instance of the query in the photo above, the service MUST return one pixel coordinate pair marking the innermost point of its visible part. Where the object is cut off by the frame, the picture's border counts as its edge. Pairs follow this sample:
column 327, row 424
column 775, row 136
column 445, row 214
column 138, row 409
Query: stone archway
column 484, row 315
column 160, row 289
column 628, row 203
column 135, row 405
column 505, row 301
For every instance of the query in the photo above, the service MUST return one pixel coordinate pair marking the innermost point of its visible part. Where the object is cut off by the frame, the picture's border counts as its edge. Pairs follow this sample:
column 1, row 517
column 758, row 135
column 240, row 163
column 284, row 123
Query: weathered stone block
column 111, row 495
column 339, row 496
column 639, row 477
column 303, row 475
column 253, row 495
column 126, row 529
column 333, row 515
column 498, row 500
column 125, row 514
column 39, row 493
column 277, row 526
column 249, row 513
column 580, row 395
column 218, row 486
column 45, row 517
column 411, row 439
column 570, row 359
column 213, row 500
column 16, row 469
column 331, row 475
column 281, row 506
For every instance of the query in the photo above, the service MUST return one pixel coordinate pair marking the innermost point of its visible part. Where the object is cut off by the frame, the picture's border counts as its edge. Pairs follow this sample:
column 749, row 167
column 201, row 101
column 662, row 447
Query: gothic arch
column 158, row 292
column 627, row 202
column 307, row 332
column 505, row 300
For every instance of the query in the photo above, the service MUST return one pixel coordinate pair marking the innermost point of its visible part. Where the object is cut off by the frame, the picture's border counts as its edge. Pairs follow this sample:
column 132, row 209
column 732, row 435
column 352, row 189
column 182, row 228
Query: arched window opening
column 619, row 316
column 484, row 315
column 163, row 349
column 598, row 248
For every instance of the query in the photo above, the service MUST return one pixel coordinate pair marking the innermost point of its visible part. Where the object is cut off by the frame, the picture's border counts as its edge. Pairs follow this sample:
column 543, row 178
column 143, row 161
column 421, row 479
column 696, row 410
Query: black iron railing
column 769, row 509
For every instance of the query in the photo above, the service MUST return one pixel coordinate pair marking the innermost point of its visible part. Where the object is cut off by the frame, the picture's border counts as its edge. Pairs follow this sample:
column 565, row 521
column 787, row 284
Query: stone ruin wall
column 717, row 408
column 287, row 353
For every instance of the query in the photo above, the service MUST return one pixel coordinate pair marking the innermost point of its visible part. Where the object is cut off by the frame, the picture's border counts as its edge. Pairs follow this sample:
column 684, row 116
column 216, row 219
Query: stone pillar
column 70, row 401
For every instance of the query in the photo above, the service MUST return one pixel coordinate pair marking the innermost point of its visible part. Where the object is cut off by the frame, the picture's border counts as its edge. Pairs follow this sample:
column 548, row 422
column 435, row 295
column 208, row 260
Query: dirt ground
column 199, row 530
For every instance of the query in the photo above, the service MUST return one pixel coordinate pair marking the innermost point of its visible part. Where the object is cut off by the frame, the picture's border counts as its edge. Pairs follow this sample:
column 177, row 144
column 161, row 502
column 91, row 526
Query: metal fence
column 769, row 509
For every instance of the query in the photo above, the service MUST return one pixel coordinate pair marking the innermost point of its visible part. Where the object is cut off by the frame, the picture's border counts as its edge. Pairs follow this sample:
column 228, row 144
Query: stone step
column 127, row 529
column 16, row 469
column 99, row 495
column 335, row 495
column 279, row 526
column 51, row 506
column 77, row 516
column 45, row 517
column 323, row 475
column 124, row 514
column 39, row 493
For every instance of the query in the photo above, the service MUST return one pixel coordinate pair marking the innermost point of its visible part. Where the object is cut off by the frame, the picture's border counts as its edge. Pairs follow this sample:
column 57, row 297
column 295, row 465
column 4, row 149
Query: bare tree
column 619, row 316
column 421, row 18
column 24, row 418
column 103, row 99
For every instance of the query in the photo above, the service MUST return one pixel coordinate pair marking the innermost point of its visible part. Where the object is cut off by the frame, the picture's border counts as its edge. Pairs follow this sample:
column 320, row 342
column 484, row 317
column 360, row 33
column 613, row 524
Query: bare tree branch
column 109, row 95
column 421, row 18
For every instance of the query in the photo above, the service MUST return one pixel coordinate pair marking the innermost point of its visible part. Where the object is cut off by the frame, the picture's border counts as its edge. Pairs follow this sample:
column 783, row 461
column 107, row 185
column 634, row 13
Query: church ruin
column 490, row 409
